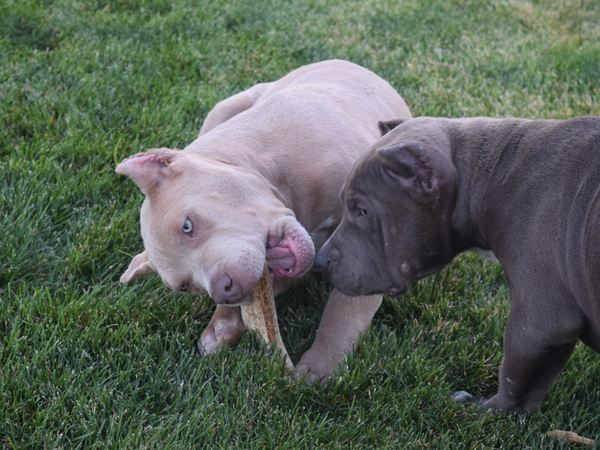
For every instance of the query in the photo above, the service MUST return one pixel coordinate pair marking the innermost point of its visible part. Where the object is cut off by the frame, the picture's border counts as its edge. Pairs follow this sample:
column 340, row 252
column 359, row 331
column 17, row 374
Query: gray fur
column 526, row 190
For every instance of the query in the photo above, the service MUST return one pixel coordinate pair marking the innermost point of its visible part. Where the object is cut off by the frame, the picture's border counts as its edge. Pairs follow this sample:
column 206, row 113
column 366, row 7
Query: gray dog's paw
column 468, row 399
column 462, row 397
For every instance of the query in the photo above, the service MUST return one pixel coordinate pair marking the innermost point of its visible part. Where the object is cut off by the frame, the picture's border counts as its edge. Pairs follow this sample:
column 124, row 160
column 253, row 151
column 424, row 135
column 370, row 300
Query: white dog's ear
column 148, row 170
column 420, row 169
column 139, row 266
column 385, row 126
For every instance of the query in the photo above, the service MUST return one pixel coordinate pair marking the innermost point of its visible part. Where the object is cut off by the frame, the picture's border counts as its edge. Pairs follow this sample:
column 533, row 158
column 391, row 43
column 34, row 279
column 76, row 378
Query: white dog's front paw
column 209, row 343
column 218, row 333
column 313, row 368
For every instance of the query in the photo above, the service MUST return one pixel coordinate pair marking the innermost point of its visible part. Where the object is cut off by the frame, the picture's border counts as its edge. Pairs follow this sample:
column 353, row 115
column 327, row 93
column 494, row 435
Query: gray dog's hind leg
column 344, row 319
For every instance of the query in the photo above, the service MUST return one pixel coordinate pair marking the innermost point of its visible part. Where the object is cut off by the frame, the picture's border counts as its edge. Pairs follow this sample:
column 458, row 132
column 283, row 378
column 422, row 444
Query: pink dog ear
column 140, row 265
column 148, row 170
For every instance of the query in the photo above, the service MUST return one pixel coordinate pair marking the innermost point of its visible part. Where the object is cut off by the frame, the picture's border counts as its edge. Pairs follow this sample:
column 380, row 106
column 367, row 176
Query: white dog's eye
column 187, row 226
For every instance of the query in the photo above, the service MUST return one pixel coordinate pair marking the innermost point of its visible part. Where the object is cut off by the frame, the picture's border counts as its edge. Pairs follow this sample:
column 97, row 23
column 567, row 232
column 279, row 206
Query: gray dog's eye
column 364, row 212
column 187, row 226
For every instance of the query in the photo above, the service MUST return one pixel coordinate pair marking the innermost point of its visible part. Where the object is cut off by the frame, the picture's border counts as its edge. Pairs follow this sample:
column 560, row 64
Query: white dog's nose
column 226, row 290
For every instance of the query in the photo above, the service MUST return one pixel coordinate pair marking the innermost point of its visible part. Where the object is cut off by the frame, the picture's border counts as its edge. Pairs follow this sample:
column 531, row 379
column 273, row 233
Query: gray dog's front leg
column 344, row 319
column 540, row 335
column 534, row 356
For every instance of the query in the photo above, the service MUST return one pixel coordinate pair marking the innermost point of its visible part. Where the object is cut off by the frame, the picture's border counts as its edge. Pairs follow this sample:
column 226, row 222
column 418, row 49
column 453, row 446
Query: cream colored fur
column 263, row 180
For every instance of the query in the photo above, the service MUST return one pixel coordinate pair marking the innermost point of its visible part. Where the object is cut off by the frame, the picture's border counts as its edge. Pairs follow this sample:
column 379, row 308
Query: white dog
column 263, row 181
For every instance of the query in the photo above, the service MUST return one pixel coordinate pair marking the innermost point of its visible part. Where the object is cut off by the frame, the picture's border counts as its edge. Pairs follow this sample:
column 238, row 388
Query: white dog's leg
column 344, row 319
column 225, row 327
column 232, row 106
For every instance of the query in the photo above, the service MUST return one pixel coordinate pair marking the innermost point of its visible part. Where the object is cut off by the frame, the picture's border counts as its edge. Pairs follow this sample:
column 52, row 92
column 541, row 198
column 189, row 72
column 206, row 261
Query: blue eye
column 187, row 226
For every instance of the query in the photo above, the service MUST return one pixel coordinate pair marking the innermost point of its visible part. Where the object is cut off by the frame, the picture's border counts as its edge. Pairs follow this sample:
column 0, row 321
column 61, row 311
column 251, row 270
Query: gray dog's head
column 397, row 223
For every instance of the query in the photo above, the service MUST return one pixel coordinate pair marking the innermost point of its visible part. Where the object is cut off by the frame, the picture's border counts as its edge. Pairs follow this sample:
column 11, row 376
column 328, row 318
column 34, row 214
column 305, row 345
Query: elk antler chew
column 568, row 437
column 260, row 315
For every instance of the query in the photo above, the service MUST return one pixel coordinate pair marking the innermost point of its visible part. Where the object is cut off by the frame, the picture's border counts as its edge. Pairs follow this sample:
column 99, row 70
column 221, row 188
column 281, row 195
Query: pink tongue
column 280, row 258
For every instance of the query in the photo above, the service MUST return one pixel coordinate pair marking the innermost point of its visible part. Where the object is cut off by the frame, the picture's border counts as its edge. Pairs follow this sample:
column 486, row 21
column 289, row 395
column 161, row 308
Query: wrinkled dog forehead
column 159, row 233
column 221, row 213
column 157, row 218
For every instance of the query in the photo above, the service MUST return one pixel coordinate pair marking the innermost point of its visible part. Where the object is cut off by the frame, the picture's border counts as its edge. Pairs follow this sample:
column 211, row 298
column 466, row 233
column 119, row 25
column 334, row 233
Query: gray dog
column 528, row 190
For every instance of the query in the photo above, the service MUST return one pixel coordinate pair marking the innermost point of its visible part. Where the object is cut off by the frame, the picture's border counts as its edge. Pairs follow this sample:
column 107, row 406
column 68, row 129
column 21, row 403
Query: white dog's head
column 208, row 226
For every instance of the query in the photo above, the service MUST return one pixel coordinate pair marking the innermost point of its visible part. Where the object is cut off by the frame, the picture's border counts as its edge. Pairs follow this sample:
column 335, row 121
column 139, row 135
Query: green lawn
column 88, row 363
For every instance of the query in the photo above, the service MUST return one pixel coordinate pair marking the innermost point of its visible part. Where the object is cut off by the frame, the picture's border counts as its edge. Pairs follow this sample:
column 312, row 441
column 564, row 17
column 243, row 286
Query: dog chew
column 568, row 437
column 260, row 315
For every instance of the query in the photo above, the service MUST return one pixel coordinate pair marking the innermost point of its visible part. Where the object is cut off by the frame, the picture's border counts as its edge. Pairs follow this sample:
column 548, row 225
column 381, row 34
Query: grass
column 88, row 363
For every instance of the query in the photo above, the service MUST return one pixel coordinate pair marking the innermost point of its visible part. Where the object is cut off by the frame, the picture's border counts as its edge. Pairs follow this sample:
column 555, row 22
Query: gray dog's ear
column 140, row 265
column 388, row 125
column 421, row 170
column 148, row 170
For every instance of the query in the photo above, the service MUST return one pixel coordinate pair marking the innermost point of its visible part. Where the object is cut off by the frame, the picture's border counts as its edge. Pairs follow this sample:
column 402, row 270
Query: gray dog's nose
column 326, row 258
column 322, row 262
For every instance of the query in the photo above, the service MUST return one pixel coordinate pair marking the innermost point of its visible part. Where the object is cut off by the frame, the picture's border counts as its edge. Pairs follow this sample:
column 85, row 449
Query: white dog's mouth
column 290, row 254
column 281, row 261
column 233, row 302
